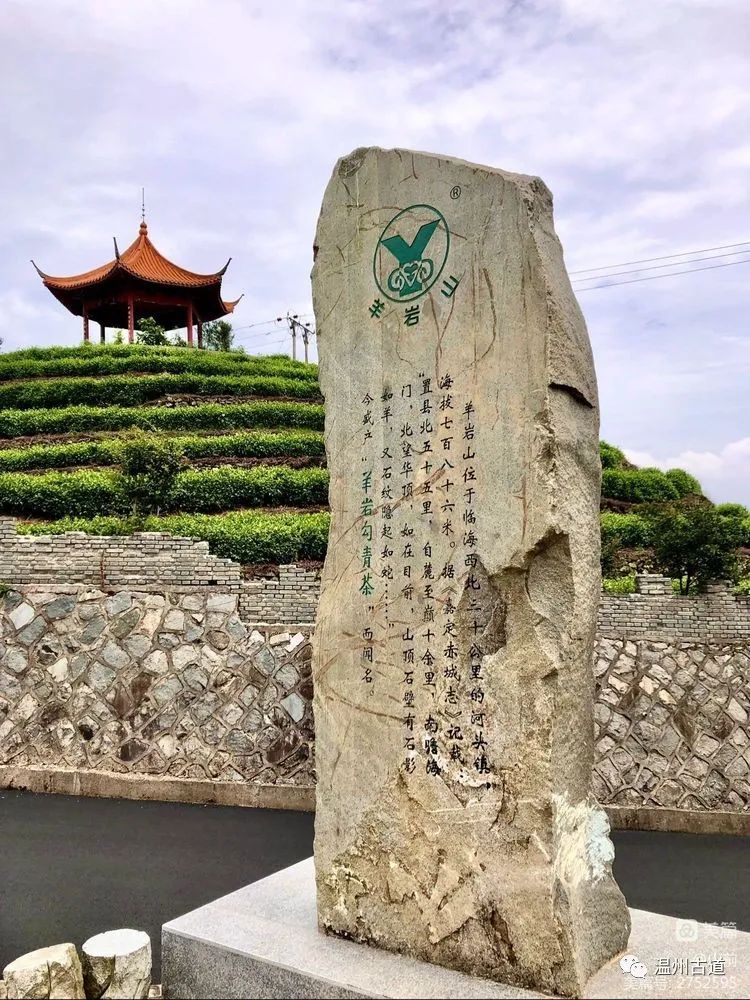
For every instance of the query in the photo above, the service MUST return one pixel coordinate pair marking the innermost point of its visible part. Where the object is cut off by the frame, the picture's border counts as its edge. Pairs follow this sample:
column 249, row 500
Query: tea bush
column 205, row 416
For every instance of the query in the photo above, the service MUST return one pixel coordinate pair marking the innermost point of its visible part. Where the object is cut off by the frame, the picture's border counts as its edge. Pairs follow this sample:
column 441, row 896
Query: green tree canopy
column 218, row 335
column 150, row 332
column 693, row 542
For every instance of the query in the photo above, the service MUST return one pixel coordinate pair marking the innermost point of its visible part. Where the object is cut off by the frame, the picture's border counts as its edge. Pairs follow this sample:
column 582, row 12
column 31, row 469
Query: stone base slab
column 263, row 941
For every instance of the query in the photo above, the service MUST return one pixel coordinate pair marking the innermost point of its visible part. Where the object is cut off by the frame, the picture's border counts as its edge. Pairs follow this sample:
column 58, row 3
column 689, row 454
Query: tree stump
column 117, row 964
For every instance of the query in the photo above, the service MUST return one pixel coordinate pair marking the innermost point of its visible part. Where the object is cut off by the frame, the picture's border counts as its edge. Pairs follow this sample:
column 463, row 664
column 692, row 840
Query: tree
column 218, row 335
column 150, row 332
column 693, row 542
column 149, row 465
column 119, row 337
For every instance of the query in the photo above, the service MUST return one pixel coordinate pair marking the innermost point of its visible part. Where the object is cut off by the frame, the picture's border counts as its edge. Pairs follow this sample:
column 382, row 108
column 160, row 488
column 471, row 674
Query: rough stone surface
column 117, row 965
column 687, row 659
column 455, row 818
column 208, row 709
column 47, row 972
column 672, row 724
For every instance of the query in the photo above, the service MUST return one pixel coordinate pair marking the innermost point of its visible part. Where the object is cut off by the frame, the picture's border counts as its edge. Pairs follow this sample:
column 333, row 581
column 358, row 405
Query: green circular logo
column 411, row 253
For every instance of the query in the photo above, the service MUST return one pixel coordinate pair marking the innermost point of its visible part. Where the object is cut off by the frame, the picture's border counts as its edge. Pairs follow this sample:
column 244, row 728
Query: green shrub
column 150, row 332
column 244, row 536
column 734, row 510
column 638, row 485
column 149, row 467
column 112, row 360
column 206, row 416
column 619, row 585
column 683, row 482
column 131, row 390
column 251, row 444
column 612, row 458
column 743, row 588
column 226, row 488
column 693, row 543
column 737, row 514
column 61, row 494
column 628, row 531
column 88, row 492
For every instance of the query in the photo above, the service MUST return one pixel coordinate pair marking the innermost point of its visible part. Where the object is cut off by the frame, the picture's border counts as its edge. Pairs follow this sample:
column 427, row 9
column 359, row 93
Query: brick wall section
column 155, row 561
column 111, row 561
column 293, row 597
column 655, row 611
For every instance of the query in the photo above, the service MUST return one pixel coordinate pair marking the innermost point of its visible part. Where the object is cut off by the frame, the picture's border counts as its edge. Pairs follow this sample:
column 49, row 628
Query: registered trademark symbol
column 456, row 191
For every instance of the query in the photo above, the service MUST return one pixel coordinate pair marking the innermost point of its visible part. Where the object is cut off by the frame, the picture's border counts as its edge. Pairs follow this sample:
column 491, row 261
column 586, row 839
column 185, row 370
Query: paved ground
column 71, row 867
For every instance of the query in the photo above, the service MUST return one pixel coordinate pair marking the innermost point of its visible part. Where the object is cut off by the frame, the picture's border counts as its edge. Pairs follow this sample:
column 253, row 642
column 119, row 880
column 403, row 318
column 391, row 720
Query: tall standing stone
column 453, row 681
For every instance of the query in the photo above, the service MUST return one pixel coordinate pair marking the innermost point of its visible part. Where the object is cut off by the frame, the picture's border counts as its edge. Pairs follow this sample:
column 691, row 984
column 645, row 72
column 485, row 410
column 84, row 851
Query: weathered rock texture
column 672, row 717
column 117, row 965
column 673, row 725
column 167, row 684
column 455, row 820
column 47, row 972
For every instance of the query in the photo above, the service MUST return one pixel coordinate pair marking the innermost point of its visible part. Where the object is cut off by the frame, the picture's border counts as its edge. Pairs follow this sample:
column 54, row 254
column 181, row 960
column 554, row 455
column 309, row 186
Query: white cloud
column 232, row 115
column 724, row 474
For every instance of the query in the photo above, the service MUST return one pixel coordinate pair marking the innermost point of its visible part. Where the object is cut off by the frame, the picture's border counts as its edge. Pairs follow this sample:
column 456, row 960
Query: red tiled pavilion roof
column 142, row 260
column 139, row 268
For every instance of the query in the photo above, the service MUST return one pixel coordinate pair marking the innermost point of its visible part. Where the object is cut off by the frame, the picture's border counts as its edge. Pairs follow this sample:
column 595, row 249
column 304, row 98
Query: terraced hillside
column 249, row 428
column 254, row 482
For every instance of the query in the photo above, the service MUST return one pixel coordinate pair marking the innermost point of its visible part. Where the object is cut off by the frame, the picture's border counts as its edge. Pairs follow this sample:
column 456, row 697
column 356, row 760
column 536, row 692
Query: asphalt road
column 71, row 867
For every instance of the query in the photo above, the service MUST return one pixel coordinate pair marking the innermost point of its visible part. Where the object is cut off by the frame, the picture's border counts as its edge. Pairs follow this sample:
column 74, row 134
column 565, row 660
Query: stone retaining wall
column 170, row 689
column 139, row 683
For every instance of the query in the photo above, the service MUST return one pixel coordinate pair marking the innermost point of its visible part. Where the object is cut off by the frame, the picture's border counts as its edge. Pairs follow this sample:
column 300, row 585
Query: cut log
column 117, row 965
column 45, row 974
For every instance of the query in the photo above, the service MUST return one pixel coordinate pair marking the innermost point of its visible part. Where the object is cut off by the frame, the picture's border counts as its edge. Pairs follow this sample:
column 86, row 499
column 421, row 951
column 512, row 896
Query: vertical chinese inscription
column 452, row 652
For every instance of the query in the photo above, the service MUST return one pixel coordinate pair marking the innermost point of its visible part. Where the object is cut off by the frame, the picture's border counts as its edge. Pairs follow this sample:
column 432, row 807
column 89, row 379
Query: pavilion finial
column 143, row 228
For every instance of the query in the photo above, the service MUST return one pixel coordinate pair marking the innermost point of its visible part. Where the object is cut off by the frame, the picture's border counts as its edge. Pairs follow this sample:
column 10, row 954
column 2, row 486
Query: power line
column 267, row 322
column 655, row 277
column 660, row 267
column 647, row 260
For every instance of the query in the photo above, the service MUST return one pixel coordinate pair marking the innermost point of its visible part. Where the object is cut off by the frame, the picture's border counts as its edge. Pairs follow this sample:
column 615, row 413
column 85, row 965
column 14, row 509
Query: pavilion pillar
column 200, row 335
column 85, row 324
column 102, row 337
column 190, row 325
column 131, row 319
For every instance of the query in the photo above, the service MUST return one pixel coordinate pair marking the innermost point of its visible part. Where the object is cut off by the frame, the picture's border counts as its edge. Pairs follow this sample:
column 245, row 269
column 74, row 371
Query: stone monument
column 453, row 678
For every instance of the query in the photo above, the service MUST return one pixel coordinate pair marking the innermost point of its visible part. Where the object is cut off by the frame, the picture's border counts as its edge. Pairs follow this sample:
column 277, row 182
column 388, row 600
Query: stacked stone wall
column 290, row 597
column 134, row 682
column 159, row 671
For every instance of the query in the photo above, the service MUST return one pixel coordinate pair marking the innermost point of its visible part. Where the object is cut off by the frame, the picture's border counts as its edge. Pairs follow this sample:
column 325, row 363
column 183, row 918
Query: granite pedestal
column 263, row 941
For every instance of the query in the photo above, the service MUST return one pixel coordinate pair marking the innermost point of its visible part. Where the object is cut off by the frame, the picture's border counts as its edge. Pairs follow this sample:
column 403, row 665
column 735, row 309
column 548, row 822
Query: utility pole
column 294, row 326
column 291, row 319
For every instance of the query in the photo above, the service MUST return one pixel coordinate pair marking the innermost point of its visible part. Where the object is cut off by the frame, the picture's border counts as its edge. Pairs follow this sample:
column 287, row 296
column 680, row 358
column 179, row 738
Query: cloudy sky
column 231, row 113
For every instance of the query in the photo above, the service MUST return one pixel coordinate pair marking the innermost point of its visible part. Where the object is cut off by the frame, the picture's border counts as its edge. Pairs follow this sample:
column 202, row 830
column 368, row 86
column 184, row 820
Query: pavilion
column 139, row 283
